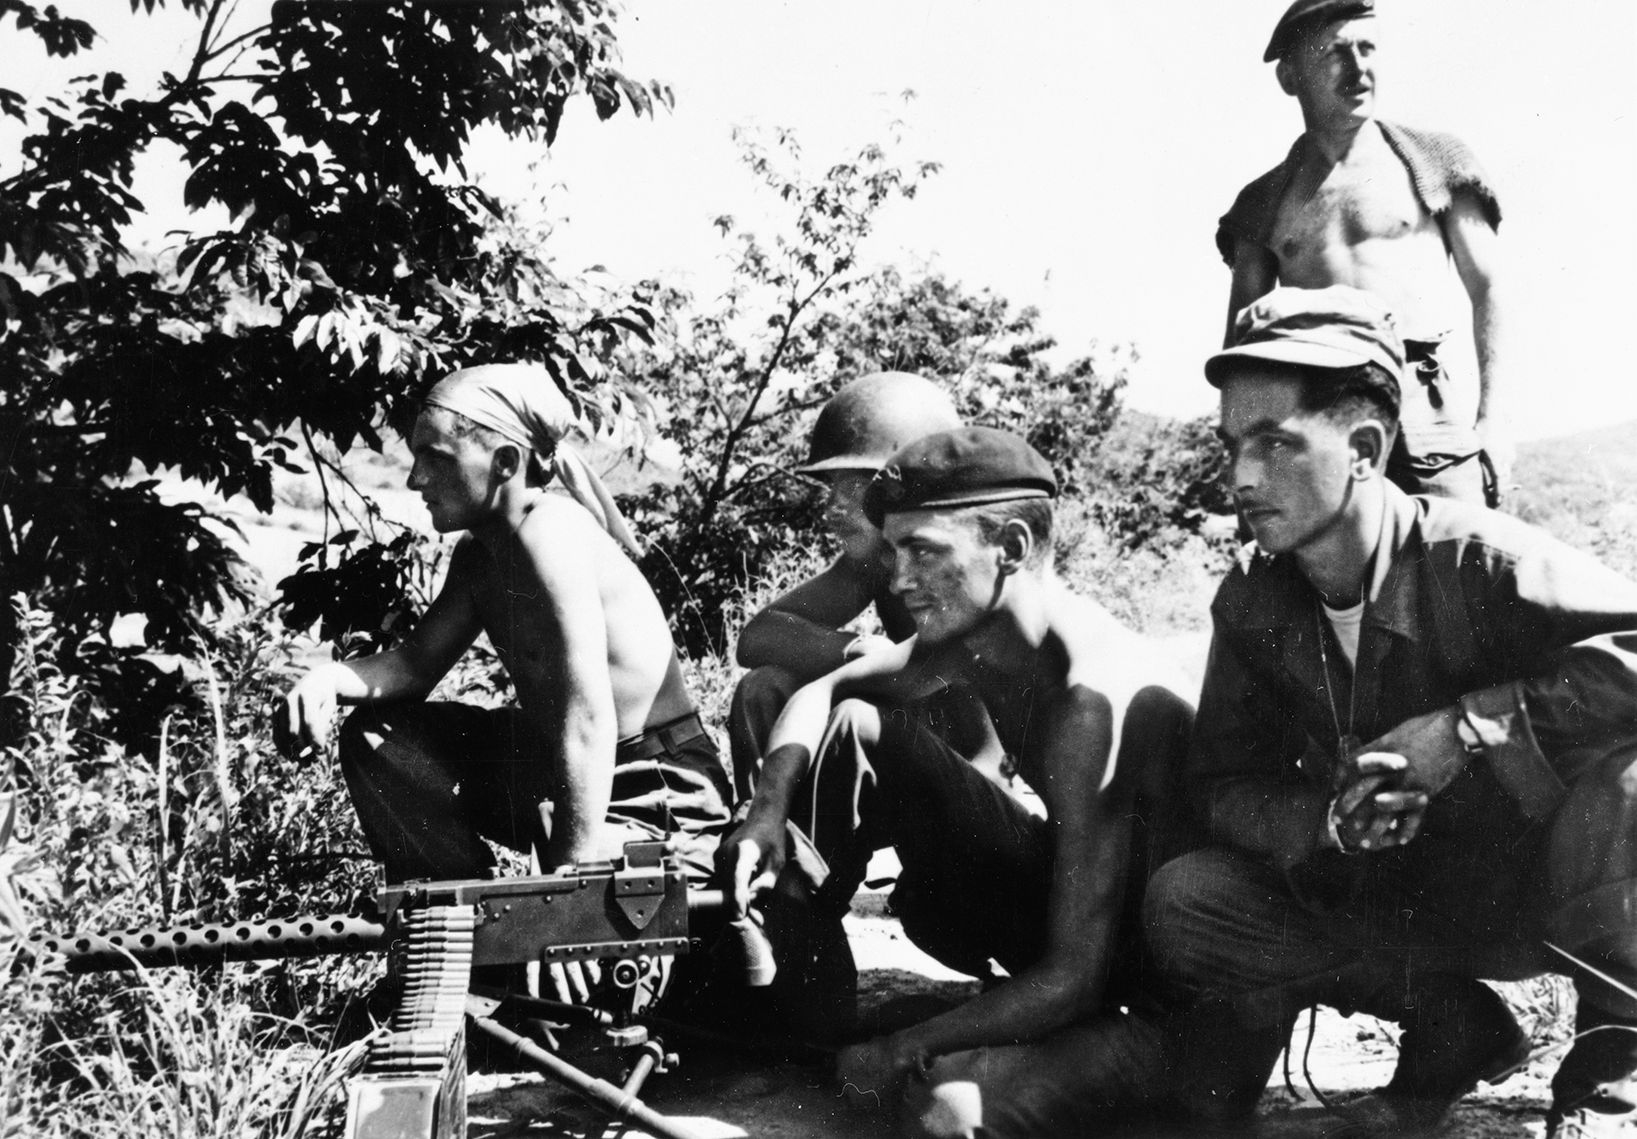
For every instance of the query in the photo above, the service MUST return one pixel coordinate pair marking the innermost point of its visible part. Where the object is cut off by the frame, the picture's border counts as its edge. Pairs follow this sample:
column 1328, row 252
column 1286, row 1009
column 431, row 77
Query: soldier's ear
column 1016, row 544
column 1370, row 442
column 506, row 461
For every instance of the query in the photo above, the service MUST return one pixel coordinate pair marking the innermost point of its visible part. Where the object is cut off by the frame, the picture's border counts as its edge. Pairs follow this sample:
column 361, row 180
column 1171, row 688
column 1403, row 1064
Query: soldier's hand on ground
column 304, row 723
column 872, row 1074
column 748, row 862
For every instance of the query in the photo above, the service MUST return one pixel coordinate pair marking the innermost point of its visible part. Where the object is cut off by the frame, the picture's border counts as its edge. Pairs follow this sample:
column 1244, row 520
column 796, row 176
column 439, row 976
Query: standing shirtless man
column 603, row 744
column 1388, row 209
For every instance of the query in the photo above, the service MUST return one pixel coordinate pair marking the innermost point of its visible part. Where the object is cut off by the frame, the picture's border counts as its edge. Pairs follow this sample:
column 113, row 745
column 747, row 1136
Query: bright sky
column 1089, row 146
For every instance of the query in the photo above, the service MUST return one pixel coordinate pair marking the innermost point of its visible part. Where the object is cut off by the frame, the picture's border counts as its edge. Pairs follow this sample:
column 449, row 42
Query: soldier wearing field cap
column 1405, row 213
column 1415, row 755
column 1033, row 863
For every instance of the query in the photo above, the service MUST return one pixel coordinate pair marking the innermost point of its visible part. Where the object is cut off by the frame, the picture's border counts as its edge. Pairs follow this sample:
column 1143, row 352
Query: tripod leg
column 616, row 1101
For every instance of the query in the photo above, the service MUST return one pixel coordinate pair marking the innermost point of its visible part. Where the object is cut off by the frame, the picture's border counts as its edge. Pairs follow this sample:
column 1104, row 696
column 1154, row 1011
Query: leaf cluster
column 359, row 261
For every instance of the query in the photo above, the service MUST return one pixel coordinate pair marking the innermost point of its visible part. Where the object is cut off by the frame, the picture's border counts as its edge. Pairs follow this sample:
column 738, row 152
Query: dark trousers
column 431, row 781
column 1242, row 936
column 976, row 883
column 976, row 856
column 758, row 698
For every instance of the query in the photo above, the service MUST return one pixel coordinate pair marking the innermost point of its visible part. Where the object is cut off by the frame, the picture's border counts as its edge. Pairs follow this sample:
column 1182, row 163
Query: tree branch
column 718, row 486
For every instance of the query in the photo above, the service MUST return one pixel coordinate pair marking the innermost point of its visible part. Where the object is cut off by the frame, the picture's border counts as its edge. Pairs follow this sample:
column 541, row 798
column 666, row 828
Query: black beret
column 1305, row 13
column 970, row 467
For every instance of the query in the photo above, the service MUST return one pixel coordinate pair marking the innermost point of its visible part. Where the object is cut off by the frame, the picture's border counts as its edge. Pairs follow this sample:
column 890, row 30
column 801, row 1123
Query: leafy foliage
column 741, row 378
column 735, row 376
column 1153, row 481
column 360, row 259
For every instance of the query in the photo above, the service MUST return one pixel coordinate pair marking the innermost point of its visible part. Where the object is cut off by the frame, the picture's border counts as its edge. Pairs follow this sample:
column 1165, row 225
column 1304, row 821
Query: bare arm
column 1255, row 273
column 750, row 858
column 582, row 728
column 443, row 633
column 801, row 631
column 1087, row 803
column 1476, row 250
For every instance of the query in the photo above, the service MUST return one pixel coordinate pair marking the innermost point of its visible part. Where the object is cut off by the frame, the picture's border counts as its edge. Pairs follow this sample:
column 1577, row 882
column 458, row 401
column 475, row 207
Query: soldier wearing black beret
column 1397, row 211
column 1033, row 856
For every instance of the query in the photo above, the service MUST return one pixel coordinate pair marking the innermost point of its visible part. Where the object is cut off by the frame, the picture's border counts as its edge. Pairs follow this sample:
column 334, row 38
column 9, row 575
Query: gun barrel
column 204, row 944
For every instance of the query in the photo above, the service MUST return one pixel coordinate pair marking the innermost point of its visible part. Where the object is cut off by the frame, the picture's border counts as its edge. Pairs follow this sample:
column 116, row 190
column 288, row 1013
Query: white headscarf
column 523, row 404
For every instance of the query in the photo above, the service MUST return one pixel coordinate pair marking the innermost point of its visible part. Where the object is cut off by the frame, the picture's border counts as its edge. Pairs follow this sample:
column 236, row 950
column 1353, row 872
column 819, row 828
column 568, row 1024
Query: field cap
column 970, row 467
column 1303, row 14
column 1334, row 327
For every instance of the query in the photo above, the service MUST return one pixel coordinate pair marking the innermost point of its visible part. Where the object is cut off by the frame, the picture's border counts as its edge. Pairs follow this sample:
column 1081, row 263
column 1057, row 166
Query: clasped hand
column 1382, row 790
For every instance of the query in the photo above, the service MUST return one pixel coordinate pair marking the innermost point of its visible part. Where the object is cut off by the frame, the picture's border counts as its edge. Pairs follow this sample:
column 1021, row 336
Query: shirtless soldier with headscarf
column 603, row 744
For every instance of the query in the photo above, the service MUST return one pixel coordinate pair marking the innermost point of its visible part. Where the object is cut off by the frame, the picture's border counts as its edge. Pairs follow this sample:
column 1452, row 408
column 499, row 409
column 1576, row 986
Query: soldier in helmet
column 1035, row 863
column 800, row 636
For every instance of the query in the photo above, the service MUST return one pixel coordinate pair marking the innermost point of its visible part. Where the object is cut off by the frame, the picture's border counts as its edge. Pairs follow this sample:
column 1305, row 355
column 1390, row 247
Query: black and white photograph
column 744, row 569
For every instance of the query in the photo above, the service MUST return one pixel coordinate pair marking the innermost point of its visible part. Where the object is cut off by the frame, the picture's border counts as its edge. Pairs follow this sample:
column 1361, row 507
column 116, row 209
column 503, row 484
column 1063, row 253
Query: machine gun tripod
column 627, row 913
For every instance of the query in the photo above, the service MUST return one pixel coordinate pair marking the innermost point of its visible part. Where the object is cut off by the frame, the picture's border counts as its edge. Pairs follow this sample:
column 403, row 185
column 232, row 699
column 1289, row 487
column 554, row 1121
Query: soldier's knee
column 765, row 689
column 1591, row 830
column 1183, row 908
column 1168, row 899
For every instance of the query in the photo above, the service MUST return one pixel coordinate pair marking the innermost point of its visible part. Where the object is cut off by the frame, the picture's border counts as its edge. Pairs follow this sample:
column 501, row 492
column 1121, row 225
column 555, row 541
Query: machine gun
column 627, row 913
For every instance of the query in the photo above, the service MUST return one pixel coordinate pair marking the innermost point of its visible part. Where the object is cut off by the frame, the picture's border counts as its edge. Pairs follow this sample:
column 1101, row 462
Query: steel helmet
column 868, row 420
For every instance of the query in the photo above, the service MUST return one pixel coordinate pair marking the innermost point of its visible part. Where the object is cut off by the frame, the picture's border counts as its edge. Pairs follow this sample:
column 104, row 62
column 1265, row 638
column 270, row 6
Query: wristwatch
column 1471, row 743
column 1333, row 829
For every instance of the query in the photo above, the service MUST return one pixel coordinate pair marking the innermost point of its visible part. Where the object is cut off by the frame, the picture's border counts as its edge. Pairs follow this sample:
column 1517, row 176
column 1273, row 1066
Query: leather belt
column 667, row 737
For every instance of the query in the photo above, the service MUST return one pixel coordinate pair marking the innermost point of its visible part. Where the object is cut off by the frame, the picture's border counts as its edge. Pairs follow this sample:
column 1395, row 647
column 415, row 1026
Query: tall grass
column 209, row 824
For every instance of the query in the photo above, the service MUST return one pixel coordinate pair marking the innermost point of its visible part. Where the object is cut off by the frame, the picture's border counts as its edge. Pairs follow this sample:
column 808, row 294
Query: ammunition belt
column 436, row 966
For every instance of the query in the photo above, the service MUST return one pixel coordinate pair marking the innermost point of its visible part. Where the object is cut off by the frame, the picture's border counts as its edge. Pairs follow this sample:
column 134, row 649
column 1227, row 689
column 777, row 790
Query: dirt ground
column 715, row 1095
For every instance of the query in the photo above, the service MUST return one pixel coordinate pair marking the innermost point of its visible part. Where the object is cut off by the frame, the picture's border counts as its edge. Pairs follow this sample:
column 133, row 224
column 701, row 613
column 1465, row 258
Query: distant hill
column 1583, row 488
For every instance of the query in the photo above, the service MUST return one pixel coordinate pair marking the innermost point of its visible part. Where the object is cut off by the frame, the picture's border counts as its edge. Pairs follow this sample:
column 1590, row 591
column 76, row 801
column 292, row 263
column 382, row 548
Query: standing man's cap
column 1304, row 14
column 1334, row 327
column 974, row 466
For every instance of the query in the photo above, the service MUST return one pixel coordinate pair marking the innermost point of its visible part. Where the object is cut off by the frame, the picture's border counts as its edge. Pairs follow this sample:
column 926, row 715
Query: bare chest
column 522, row 627
column 1332, row 214
column 1019, row 711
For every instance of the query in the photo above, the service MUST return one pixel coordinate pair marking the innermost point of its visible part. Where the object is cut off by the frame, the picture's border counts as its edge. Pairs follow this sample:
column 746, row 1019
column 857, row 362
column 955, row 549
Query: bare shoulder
column 561, row 537
column 1108, row 657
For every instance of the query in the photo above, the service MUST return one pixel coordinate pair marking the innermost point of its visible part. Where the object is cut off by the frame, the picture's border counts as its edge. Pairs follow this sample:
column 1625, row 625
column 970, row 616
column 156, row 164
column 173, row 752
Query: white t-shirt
column 1346, row 624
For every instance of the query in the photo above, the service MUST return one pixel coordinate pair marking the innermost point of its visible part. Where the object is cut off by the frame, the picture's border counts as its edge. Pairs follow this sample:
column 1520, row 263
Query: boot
column 1459, row 1032
column 1594, row 1093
